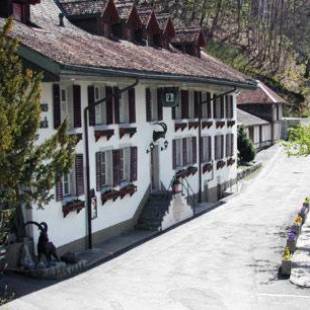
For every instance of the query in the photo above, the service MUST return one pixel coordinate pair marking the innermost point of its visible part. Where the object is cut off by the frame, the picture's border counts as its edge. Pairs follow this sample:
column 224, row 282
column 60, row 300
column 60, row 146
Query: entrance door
column 155, row 179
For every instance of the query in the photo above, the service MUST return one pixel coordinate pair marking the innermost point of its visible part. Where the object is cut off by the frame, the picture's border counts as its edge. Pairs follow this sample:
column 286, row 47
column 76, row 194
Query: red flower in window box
column 108, row 133
column 109, row 195
column 181, row 126
column 127, row 131
column 192, row 170
column 230, row 161
column 207, row 168
column 182, row 174
column 231, row 123
column 129, row 189
column 206, row 124
column 220, row 164
column 220, row 124
column 71, row 206
column 193, row 124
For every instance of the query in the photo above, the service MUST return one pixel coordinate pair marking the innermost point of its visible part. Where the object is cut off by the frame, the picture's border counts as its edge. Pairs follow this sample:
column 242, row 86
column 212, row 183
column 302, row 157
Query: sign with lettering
column 170, row 96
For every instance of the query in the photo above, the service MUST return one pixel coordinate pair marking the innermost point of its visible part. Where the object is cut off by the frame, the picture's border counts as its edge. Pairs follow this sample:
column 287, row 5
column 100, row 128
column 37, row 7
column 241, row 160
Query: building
column 257, row 129
column 137, row 146
column 267, row 105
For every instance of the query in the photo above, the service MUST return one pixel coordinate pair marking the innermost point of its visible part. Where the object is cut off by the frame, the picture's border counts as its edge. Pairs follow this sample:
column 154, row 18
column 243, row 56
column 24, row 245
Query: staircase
column 154, row 211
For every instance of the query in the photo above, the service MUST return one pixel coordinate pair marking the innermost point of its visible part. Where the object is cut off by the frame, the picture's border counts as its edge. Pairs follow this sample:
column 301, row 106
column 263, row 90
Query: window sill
column 231, row 123
column 180, row 125
column 127, row 131
column 73, row 205
column 220, row 164
column 207, row 167
column 206, row 124
column 108, row 133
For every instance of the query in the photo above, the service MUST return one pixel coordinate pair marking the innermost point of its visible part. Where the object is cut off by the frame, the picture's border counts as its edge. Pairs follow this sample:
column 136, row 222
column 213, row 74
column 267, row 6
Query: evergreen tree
column 246, row 148
column 28, row 170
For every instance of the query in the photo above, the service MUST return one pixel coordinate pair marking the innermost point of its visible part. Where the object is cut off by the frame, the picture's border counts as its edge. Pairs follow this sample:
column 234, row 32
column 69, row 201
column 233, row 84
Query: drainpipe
column 86, row 118
column 199, row 139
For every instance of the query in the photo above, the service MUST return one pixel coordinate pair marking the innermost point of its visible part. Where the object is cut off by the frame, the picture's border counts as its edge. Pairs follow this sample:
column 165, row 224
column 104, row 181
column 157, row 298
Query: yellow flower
column 287, row 254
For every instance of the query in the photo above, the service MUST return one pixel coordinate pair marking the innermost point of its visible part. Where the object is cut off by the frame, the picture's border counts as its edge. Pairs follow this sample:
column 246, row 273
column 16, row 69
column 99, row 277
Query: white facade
column 73, row 227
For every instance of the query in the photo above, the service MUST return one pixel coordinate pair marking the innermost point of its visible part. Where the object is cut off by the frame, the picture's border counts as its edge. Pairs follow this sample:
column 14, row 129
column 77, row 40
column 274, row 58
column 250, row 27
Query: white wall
column 73, row 227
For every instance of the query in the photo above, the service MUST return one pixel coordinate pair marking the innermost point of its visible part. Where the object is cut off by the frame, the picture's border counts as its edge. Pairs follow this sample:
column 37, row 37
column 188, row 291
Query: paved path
column 226, row 259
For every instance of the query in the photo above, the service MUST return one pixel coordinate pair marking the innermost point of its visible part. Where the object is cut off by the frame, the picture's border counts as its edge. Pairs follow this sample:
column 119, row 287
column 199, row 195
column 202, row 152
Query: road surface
column 225, row 259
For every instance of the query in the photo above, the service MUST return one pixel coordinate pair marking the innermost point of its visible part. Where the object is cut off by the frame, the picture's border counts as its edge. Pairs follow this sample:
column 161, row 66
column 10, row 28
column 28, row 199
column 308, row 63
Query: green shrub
column 246, row 150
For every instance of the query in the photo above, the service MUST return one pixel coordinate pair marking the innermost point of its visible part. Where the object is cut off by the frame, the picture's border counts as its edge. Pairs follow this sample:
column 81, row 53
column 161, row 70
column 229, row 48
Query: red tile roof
column 70, row 45
column 262, row 95
column 83, row 7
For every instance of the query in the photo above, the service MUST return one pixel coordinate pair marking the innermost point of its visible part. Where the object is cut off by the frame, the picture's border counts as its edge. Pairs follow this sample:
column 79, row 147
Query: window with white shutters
column 219, row 147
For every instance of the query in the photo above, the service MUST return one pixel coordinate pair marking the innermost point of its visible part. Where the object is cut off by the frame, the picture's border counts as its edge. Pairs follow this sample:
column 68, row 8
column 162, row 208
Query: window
column 229, row 107
column 219, row 147
column 229, row 145
column 100, row 109
column 66, row 104
column 192, row 97
column 206, row 106
column 206, row 149
column 184, row 152
column 125, row 110
column 154, row 110
column 218, row 107
column 116, row 166
column 72, row 183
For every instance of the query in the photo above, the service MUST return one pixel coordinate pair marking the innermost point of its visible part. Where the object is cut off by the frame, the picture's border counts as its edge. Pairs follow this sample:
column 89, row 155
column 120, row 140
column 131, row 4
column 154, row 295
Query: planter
column 206, row 124
column 127, row 131
column 207, row 168
column 180, row 126
column 72, row 206
column 220, row 124
column 181, row 174
column 193, row 124
column 108, row 133
column 129, row 189
column 231, row 123
column 286, row 267
column 220, row 164
column 109, row 195
column 230, row 161
column 192, row 170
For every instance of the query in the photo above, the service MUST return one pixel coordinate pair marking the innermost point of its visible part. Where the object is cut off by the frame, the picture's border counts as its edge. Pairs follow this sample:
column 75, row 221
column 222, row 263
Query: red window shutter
column 194, row 147
column 59, row 190
column 197, row 103
column 98, row 171
column 209, row 148
column 159, row 104
column 232, row 145
column 209, row 114
column 91, row 101
column 231, row 104
column 109, row 104
column 173, row 113
column 222, row 107
column 116, row 167
column 227, row 145
column 133, row 164
column 184, row 103
column 148, row 105
column 184, row 145
column 214, row 107
column 56, row 105
column 132, row 105
column 77, row 106
column 116, row 105
column 201, row 147
column 79, row 174
column 222, row 146
column 174, row 154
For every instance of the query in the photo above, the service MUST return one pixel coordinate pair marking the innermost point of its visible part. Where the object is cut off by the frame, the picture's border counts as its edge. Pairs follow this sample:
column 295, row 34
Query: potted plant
column 286, row 265
column 73, row 205
column 108, row 193
column 127, row 188
column 192, row 170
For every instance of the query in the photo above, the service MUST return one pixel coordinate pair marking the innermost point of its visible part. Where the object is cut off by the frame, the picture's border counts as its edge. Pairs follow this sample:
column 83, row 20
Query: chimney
column 61, row 20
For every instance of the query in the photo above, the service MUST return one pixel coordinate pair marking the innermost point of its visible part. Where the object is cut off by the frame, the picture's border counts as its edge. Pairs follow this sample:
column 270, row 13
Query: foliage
column 246, row 150
column 28, row 170
column 298, row 143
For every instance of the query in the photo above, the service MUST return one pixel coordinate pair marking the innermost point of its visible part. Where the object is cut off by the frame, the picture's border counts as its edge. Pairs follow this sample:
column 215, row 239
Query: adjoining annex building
column 139, row 146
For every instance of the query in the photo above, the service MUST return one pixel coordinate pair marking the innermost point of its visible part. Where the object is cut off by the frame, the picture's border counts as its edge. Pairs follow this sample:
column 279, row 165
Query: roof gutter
column 150, row 75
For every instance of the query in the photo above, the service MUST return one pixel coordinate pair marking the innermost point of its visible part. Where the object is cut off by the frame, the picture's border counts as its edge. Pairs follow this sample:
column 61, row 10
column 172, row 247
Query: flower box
column 180, row 126
column 206, row 124
column 207, row 168
column 127, row 131
column 71, row 206
column 230, row 161
column 129, row 189
column 108, row 133
column 182, row 174
column 109, row 195
column 193, row 124
column 220, row 164
column 231, row 123
column 220, row 124
column 192, row 170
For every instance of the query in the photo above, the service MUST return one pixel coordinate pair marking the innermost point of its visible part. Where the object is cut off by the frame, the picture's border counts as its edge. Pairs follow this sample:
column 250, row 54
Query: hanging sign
column 170, row 96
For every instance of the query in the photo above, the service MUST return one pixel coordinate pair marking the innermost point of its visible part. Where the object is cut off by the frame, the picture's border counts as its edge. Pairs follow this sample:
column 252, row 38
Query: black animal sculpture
column 45, row 247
